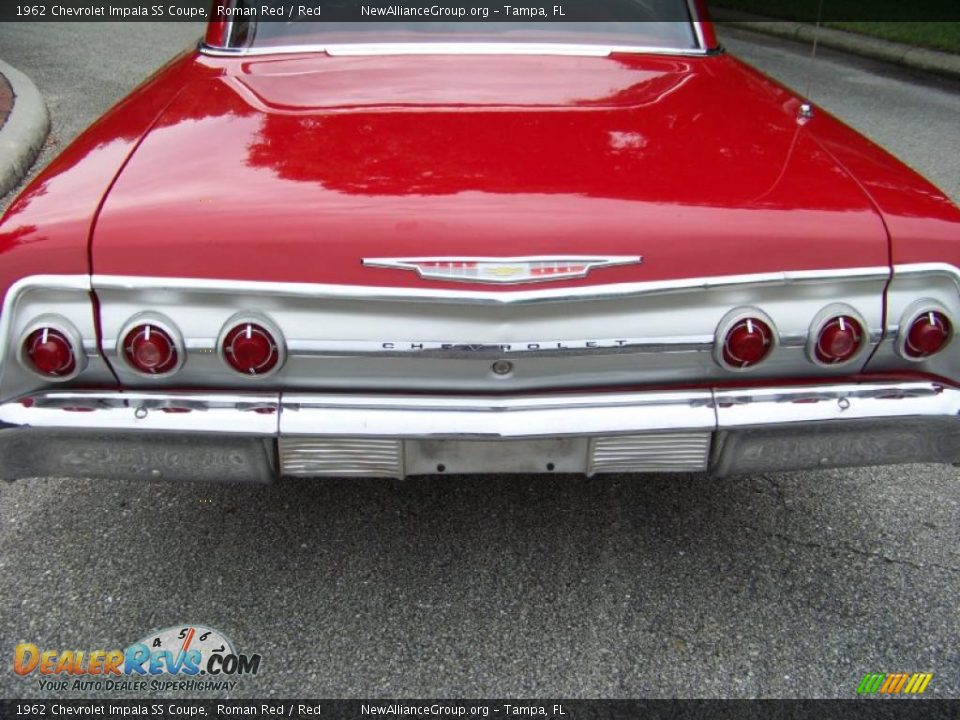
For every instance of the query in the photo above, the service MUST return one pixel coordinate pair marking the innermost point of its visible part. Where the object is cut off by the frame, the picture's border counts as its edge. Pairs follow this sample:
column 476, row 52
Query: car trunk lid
column 296, row 169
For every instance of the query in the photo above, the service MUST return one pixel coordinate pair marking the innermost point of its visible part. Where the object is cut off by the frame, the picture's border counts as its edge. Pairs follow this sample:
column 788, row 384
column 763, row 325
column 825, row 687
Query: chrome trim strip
column 429, row 349
column 416, row 264
column 697, row 25
column 772, row 407
column 543, row 348
column 220, row 413
column 608, row 413
column 448, row 350
column 928, row 268
column 395, row 294
column 261, row 104
column 494, row 417
column 701, row 39
column 481, row 417
column 452, row 48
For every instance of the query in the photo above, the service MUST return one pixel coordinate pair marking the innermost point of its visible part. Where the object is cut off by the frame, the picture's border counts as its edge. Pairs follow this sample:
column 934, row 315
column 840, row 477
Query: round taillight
column 251, row 349
column 747, row 343
column 150, row 349
column 927, row 335
column 50, row 352
column 839, row 340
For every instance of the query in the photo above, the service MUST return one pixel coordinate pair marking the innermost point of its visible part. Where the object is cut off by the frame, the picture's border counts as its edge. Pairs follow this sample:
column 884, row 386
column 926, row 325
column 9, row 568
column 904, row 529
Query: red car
column 386, row 249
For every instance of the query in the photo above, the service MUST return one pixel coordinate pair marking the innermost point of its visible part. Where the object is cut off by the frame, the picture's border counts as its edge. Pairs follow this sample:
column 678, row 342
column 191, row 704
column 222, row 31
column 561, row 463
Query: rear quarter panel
column 47, row 228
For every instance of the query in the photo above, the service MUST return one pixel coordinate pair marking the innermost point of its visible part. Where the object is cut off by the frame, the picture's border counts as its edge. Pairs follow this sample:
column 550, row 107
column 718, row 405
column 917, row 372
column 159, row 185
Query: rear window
column 656, row 24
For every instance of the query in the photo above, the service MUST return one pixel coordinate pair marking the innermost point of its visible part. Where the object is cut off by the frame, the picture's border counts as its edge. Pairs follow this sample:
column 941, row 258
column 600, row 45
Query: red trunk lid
column 296, row 168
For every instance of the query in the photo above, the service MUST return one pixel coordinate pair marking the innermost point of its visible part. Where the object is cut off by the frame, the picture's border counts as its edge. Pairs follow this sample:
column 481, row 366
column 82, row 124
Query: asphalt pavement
column 788, row 585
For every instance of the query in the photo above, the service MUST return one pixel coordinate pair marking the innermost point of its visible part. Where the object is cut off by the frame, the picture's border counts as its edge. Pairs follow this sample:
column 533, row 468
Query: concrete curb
column 25, row 130
column 932, row 61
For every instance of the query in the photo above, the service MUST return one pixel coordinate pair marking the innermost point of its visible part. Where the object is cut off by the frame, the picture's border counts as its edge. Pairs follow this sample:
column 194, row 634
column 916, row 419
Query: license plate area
column 383, row 457
column 562, row 455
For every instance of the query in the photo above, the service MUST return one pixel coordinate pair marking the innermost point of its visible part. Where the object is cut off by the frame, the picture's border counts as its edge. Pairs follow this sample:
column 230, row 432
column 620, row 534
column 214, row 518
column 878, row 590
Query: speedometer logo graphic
column 182, row 639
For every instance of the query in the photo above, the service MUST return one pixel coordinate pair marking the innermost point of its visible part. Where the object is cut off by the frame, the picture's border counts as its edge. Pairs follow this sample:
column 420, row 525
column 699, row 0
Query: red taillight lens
column 150, row 350
column 928, row 334
column 50, row 352
column 251, row 349
column 839, row 340
column 747, row 343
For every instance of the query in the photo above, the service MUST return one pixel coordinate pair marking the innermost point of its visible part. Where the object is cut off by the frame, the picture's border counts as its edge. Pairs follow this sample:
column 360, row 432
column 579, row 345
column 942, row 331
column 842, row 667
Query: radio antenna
column 813, row 50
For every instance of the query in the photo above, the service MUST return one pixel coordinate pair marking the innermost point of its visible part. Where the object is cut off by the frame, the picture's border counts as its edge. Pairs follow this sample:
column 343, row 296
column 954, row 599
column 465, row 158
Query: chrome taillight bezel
column 168, row 327
column 65, row 328
column 243, row 318
column 731, row 320
column 914, row 311
column 822, row 319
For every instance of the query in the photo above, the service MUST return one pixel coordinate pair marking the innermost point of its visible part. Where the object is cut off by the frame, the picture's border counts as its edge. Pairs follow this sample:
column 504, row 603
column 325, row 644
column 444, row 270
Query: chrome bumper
column 258, row 436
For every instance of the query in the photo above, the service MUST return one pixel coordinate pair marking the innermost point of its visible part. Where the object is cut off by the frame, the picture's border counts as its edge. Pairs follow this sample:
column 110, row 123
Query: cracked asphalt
column 789, row 585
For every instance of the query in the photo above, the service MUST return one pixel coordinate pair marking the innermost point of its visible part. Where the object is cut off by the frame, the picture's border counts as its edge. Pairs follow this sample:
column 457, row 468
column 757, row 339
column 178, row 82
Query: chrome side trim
column 452, row 48
column 486, row 297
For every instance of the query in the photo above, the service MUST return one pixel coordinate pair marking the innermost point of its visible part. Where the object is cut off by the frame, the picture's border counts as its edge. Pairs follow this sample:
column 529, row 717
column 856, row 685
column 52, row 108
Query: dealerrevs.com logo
column 183, row 657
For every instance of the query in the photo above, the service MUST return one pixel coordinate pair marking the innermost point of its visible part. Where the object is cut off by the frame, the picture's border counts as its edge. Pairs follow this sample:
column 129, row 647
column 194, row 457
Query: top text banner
column 617, row 11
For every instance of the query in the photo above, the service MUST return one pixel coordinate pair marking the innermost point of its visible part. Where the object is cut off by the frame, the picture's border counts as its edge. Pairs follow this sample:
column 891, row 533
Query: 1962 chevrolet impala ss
column 385, row 249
